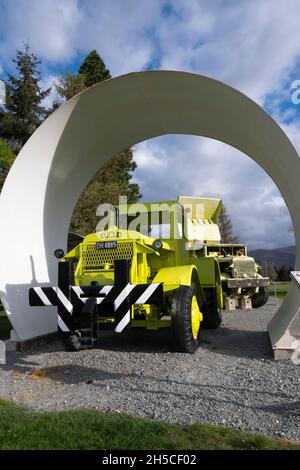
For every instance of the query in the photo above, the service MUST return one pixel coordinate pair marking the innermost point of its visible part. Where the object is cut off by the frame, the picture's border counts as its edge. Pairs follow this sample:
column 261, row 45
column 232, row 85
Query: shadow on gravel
column 132, row 381
column 138, row 340
column 226, row 341
column 18, row 362
column 284, row 409
column 223, row 341
column 237, row 343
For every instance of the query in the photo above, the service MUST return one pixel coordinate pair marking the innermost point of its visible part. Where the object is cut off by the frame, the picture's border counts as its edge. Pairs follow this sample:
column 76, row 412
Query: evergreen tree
column 23, row 111
column 93, row 69
column 225, row 227
column 114, row 178
column 283, row 273
column 69, row 86
column 111, row 181
column 6, row 160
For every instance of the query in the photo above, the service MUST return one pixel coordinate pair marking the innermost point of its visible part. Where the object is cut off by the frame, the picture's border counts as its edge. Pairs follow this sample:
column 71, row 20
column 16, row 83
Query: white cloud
column 121, row 31
column 49, row 82
column 249, row 45
column 51, row 27
column 154, row 157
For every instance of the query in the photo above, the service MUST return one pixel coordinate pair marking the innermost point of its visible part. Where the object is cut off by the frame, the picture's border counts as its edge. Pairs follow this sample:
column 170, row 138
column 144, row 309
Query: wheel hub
column 196, row 317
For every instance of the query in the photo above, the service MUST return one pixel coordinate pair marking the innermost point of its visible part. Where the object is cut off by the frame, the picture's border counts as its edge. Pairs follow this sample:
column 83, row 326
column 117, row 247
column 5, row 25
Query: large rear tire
column 186, row 319
column 212, row 317
column 261, row 298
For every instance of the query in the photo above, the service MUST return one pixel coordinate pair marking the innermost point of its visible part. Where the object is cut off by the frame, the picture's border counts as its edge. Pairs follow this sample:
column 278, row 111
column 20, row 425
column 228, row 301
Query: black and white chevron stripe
column 133, row 294
column 53, row 296
column 118, row 301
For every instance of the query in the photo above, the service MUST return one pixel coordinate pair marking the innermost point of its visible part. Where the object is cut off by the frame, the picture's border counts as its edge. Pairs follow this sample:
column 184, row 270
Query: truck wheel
column 261, row 298
column 186, row 319
column 212, row 317
column 72, row 342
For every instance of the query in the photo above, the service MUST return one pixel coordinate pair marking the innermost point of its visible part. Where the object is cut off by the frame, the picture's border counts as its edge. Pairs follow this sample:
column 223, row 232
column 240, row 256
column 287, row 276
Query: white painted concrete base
column 230, row 304
column 12, row 345
column 245, row 303
column 2, row 352
column 292, row 354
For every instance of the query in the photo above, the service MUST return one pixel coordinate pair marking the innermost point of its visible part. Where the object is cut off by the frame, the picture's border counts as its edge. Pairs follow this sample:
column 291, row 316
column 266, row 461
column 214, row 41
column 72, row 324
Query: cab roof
column 212, row 207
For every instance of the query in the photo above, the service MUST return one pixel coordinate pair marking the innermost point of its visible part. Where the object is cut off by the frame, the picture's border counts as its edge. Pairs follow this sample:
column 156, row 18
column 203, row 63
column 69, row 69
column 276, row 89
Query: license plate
column 106, row 245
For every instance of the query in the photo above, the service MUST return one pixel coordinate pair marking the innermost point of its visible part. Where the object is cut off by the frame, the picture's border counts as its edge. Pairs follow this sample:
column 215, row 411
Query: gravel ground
column 231, row 380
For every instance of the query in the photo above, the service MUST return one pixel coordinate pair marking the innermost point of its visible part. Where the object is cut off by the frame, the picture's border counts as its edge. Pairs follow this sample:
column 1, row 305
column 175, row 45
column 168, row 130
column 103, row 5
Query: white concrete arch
column 57, row 162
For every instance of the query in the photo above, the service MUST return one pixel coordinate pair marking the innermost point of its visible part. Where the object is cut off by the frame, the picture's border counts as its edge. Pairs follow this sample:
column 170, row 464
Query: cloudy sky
column 251, row 45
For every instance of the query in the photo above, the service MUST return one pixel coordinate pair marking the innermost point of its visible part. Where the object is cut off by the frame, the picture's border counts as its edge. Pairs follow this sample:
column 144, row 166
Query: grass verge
column 23, row 429
column 278, row 290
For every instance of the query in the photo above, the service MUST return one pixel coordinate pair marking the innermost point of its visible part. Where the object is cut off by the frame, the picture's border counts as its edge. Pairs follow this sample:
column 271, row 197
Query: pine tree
column 93, row 69
column 114, row 178
column 111, row 181
column 283, row 273
column 225, row 227
column 69, row 85
column 23, row 111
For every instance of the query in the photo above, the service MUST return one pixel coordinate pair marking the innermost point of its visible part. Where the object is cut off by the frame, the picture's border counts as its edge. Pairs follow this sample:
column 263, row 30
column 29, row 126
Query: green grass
column 279, row 289
column 23, row 429
column 5, row 325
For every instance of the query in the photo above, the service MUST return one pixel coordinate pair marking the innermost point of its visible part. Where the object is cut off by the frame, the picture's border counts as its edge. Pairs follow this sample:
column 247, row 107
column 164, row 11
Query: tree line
column 280, row 274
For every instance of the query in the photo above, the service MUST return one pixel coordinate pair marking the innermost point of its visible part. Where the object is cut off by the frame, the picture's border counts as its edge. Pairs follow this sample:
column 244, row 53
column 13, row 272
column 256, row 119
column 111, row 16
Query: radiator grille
column 245, row 267
column 93, row 259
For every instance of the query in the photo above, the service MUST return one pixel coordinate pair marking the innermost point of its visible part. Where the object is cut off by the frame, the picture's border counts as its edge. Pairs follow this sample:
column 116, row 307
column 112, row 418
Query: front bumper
column 74, row 303
column 235, row 283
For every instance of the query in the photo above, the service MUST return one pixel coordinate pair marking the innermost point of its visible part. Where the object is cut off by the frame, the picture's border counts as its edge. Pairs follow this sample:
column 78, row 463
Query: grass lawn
column 279, row 290
column 5, row 325
column 23, row 429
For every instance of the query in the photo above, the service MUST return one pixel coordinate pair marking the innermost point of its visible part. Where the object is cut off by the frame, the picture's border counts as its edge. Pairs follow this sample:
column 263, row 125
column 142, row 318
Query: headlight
column 157, row 245
column 59, row 253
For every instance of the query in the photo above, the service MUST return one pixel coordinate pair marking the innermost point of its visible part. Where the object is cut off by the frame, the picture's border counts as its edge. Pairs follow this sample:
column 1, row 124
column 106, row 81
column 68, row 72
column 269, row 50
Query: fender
column 177, row 275
column 173, row 277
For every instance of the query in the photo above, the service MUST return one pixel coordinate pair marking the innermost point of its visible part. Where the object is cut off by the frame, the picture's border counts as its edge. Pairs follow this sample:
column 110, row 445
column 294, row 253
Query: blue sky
column 251, row 45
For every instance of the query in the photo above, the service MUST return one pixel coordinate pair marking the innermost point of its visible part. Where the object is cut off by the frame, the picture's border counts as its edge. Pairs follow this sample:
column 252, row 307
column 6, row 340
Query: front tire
column 186, row 319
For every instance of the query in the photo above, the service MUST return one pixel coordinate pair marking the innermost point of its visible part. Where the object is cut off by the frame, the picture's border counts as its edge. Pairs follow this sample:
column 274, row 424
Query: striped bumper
column 112, row 301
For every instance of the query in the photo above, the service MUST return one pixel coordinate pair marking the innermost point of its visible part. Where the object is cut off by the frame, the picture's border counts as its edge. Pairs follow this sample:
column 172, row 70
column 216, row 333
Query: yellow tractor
column 159, row 267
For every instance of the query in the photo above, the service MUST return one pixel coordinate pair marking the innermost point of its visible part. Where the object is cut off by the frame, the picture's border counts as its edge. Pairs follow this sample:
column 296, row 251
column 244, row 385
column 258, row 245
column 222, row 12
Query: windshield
column 154, row 224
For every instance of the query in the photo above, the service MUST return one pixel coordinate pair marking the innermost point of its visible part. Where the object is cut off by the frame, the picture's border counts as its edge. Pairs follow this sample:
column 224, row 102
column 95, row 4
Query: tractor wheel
column 261, row 298
column 72, row 342
column 212, row 317
column 186, row 319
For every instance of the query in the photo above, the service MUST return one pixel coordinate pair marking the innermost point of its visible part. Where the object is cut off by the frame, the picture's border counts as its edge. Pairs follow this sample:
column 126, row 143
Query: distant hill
column 278, row 256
